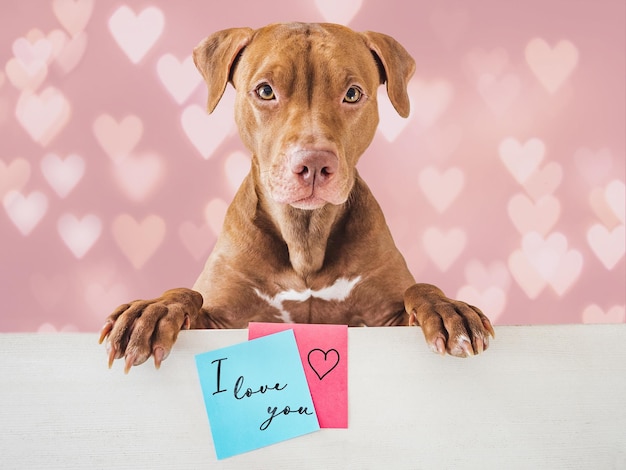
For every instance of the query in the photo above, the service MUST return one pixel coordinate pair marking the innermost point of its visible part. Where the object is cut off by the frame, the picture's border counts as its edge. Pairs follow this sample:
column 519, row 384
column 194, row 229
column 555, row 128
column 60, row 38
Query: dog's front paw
column 145, row 328
column 449, row 325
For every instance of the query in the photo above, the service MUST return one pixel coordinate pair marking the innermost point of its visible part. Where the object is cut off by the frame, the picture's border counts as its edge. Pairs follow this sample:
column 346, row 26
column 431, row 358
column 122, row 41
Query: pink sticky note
column 324, row 353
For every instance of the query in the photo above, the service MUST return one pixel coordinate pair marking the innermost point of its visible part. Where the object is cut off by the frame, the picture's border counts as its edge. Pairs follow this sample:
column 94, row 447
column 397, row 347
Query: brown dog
column 304, row 240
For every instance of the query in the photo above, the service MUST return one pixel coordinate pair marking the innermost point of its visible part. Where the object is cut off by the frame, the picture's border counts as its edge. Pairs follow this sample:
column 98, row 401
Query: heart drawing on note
column 323, row 362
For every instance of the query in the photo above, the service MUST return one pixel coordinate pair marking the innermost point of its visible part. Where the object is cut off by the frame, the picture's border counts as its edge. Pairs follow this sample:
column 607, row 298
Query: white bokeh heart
column 530, row 281
column 521, row 159
column 59, row 39
column 615, row 196
column 117, row 139
column 491, row 300
column 608, row 245
column 79, row 235
column 73, row 14
column 179, row 78
column 441, row 188
column 72, row 53
column 391, row 124
column 138, row 240
column 43, row 115
column 443, row 248
column 47, row 328
column 552, row 260
column 529, row 216
column 198, row 240
column 28, row 51
column 26, row 76
column 543, row 182
column 134, row 33
column 429, row 100
column 102, row 299
column 237, row 166
column 62, row 174
column 25, row 211
column 594, row 314
column 567, row 273
column 214, row 214
column 13, row 176
column 544, row 254
column 484, row 276
column 207, row 132
column 601, row 208
column 338, row 12
column 551, row 65
column 139, row 175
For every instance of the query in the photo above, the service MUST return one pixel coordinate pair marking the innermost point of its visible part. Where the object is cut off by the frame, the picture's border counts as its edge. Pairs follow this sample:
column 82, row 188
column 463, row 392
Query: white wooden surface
column 542, row 397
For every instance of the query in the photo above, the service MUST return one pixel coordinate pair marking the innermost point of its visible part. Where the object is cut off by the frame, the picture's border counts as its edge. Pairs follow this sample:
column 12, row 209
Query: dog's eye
column 265, row 92
column 353, row 95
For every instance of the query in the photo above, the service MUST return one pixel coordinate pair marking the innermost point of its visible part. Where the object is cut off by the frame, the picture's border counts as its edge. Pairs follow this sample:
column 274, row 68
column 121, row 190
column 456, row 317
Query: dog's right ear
column 215, row 56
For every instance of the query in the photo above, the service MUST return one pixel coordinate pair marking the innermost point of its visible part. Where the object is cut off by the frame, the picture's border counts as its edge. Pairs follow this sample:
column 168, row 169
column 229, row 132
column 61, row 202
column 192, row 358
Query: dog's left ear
column 398, row 67
column 215, row 56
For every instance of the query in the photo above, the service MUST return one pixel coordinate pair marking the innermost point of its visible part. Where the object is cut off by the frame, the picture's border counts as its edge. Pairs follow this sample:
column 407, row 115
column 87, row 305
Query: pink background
column 505, row 186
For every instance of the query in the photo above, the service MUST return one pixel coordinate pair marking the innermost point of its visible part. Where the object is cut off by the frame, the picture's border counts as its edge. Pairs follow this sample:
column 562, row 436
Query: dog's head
column 306, row 101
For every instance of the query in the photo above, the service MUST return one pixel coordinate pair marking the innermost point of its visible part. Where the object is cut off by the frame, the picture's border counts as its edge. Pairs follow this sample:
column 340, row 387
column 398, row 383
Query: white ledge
column 541, row 397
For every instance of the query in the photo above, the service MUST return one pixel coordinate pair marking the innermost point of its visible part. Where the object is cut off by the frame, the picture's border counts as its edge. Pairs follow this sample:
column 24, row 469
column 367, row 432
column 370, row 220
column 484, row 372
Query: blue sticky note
column 256, row 394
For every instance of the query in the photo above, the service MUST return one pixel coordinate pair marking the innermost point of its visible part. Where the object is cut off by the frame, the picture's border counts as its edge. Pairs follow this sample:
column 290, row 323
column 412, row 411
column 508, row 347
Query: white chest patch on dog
column 339, row 291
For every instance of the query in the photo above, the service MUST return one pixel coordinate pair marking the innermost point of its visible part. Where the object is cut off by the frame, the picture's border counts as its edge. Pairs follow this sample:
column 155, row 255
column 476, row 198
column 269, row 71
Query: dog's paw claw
column 105, row 331
column 159, row 355
column 487, row 325
column 112, row 353
column 479, row 345
column 466, row 347
column 129, row 362
column 439, row 346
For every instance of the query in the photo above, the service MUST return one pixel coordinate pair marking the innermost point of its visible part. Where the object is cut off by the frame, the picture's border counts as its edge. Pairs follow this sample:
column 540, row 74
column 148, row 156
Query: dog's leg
column 449, row 325
column 145, row 328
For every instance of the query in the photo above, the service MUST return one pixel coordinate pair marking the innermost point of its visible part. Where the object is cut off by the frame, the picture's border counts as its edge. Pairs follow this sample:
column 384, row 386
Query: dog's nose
column 314, row 166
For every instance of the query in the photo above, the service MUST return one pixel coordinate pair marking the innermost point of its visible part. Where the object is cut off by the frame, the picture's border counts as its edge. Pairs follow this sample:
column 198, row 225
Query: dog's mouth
column 310, row 198
column 313, row 197
column 309, row 203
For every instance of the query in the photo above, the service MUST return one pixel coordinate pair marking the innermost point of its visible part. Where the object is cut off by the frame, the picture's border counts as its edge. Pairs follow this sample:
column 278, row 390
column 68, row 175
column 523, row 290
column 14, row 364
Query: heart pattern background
column 505, row 186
